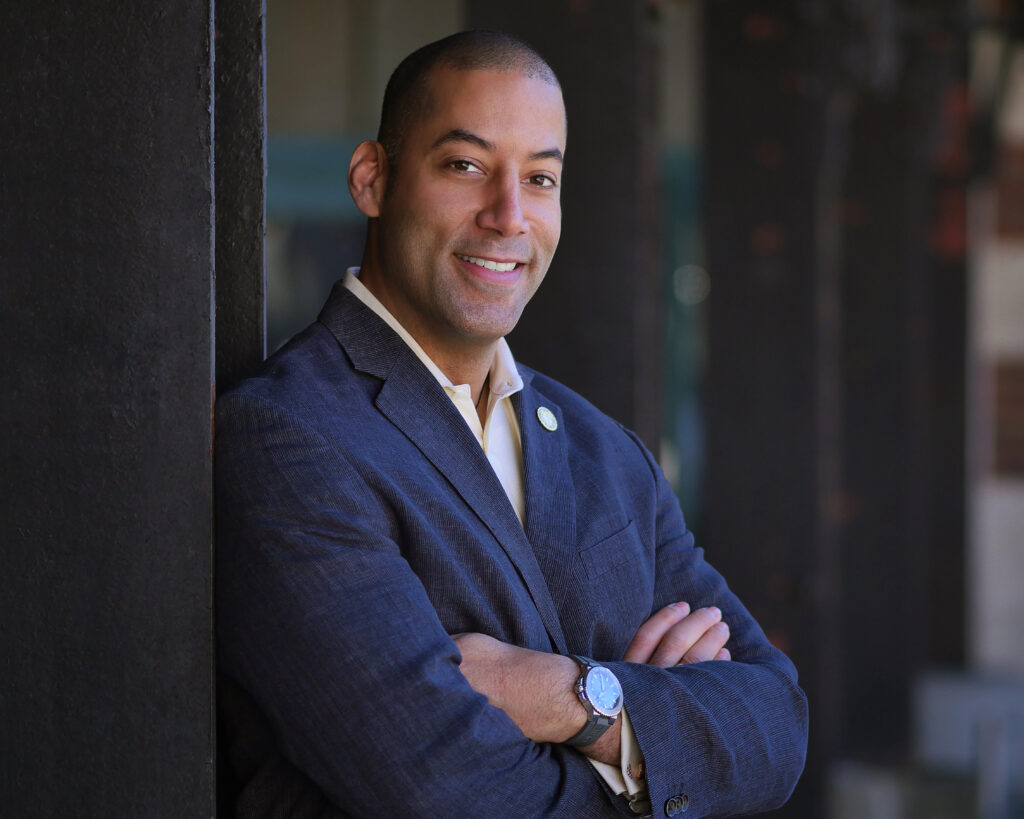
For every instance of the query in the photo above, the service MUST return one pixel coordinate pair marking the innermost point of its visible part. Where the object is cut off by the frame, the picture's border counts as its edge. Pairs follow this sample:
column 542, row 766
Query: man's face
column 472, row 216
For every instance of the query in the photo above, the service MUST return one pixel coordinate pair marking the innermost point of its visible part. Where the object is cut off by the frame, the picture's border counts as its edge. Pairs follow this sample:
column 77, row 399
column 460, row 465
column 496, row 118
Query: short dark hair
column 407, row 96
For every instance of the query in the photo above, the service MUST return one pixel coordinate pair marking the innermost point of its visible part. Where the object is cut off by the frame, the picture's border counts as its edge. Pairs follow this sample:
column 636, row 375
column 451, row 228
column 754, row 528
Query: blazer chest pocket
column 615, row 550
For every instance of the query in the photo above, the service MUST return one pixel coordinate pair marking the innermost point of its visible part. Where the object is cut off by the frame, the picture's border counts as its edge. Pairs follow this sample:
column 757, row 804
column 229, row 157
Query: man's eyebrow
column 462, row 135
column 550, row 153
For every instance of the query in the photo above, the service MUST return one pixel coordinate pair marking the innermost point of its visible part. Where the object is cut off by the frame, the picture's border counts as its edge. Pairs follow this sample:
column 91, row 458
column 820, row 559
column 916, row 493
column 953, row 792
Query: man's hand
column 677, row 636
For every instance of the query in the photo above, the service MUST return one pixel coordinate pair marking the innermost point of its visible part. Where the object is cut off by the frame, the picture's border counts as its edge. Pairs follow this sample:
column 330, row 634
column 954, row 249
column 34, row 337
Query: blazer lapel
column 415, row 403
column 550, row 493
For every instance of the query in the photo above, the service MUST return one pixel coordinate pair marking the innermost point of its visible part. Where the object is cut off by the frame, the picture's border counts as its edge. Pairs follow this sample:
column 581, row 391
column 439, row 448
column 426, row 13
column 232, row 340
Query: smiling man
column 448, row 585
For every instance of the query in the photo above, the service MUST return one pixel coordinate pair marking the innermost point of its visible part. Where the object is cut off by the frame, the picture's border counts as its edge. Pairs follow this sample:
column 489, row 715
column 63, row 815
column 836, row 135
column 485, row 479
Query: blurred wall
column 996, row 364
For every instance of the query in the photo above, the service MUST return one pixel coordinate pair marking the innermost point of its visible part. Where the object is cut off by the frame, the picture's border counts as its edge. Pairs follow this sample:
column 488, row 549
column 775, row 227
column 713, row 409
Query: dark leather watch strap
column 592, row 731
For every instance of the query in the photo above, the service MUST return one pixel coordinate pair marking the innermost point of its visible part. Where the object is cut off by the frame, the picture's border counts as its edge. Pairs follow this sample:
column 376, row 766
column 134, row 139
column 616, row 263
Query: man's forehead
column 452, row 92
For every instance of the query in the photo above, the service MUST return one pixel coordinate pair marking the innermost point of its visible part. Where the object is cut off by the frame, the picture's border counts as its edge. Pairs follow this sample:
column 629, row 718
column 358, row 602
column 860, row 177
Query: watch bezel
column 600, row 670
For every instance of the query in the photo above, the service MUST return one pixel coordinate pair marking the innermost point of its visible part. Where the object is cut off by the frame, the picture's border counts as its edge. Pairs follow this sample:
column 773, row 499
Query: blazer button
column 677, row 804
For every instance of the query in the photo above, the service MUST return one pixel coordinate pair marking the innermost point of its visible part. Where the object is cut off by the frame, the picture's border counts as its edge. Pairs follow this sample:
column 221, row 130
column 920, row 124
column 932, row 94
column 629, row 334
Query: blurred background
column 793, row 260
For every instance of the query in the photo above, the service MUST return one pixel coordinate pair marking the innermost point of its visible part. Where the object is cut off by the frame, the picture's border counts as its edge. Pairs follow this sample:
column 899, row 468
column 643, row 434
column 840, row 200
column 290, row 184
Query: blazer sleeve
column 728, row 737
column 324, row 624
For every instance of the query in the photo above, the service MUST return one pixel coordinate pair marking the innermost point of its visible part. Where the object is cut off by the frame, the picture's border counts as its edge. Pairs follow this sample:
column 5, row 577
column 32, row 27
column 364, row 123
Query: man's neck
column 463, row 361
column 466, row 366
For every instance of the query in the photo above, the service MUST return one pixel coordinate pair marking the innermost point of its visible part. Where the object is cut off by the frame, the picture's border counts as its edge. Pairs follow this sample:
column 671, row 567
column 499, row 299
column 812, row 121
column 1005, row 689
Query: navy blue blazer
column 359, row 524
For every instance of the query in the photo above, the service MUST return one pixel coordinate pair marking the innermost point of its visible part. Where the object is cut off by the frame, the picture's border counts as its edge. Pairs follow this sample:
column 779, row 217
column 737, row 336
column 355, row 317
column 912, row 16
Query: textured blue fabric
column 359, row 524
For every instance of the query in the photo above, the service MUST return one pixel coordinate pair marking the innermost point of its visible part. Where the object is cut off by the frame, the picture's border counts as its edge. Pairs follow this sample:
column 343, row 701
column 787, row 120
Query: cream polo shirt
column 502, row 444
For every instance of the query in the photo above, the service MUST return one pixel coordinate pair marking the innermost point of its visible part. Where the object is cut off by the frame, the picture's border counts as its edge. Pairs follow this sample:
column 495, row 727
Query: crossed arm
column 535, row 688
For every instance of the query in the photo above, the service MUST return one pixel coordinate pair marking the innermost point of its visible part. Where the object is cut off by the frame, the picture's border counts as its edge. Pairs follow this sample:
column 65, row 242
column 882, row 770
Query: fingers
column 695, row 638
column 708, row 645
column 647, row 637
column 675, row 636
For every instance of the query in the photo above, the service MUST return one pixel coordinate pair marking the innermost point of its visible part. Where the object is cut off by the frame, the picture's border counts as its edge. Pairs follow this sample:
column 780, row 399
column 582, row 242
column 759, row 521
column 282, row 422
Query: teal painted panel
column 307, row 179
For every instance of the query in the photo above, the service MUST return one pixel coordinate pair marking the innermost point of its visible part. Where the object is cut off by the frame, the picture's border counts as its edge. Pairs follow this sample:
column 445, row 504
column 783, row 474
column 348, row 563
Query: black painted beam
column 106, row 237
column 835, row 464
column 596, row 323
column 241, row 170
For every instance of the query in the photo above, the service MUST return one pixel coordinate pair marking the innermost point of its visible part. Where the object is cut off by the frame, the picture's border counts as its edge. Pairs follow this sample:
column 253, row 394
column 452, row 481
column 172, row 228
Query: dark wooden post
column 241, row 162
column 595, row 324
column 107, row 291
column 835, row 466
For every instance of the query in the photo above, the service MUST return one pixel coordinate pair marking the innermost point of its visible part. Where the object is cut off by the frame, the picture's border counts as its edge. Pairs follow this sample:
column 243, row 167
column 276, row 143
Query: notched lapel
column 370, row 344
column 416, row 404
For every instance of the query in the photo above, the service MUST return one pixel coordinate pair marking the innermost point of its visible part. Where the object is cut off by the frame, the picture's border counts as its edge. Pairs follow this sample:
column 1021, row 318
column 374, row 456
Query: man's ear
column 367, row 177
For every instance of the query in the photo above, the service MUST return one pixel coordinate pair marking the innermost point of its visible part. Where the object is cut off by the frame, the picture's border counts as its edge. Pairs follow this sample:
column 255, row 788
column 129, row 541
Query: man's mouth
column 498, row 267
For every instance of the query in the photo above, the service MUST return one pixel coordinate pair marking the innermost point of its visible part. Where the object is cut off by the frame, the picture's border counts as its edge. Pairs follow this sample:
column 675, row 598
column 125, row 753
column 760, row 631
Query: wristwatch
column 600, row 692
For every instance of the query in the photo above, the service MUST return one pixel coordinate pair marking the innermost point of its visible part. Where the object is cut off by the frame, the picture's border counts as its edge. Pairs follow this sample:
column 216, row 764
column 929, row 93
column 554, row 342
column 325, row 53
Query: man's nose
column 503, row 211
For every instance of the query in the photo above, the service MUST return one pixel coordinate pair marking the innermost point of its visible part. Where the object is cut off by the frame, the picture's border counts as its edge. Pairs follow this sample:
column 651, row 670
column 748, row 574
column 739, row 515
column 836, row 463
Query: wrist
column 565, row 714
column 535, row 689
column 608, row 747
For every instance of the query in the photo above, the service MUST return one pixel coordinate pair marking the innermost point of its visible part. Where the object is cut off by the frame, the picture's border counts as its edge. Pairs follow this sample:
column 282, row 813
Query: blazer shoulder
column 298, row 371
column 572, row 404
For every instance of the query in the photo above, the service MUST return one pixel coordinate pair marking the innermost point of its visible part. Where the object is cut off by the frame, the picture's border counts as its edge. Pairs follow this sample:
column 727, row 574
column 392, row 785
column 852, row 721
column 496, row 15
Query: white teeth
column 500, row 267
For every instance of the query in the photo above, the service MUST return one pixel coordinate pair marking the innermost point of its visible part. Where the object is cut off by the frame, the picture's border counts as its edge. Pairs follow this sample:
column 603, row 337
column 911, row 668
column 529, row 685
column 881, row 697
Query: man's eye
column 462, row 165
column 542, row 181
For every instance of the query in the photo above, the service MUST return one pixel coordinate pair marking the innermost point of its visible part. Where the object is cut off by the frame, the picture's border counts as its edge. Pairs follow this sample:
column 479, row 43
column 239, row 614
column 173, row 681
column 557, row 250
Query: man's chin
column 481, row 331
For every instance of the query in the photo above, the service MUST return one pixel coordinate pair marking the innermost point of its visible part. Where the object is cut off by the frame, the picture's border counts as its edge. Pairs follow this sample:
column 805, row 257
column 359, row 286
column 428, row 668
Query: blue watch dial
column 604, row 691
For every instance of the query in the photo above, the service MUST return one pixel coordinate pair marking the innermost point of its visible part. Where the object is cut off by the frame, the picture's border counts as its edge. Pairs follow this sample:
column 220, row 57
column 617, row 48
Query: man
column 447, row 585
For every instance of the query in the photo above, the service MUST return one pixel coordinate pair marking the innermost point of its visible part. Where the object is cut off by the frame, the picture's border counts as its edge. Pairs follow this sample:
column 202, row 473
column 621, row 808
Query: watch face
column 604, row 691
